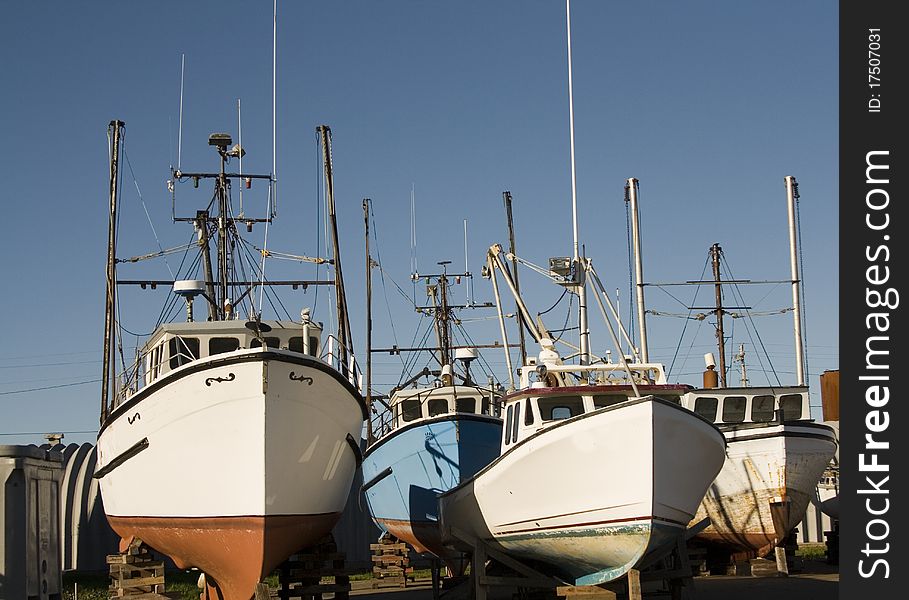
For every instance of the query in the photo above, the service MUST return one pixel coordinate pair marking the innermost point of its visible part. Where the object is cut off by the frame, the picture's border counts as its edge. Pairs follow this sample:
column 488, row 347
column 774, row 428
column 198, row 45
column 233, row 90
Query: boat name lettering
column 230, row 377
column 296, row 377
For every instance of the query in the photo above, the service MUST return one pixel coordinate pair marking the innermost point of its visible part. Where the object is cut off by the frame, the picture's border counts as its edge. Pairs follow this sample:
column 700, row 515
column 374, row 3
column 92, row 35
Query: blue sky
column 708, row 103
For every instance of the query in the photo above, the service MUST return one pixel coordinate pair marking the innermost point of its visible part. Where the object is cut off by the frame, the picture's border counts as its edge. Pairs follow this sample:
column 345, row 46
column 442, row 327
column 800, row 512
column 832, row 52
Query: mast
column 114, row 130
column 631, row 196
column 715, row 251
column 792, row 195
column 205, row 249
column 506, row 197
column 223, row 244
column 344, row 336
column 369, row 434
column 439, row 295
column 581, row 283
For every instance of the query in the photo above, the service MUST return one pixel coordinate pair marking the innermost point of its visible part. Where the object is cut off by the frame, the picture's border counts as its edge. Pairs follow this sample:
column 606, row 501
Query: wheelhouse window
column 706, row 407
column 509, row 414
column 734, row 409
column 220, row 345
column 792, row 406
column 528, row 412
column 604, row 400
column 466, row 405
column 313, row 345
column 182, row 350
column 410, row 410
column 517, row 420
column 554, row 408
column 271, row 342
column 437, row 406
column 295, row 344
column 762, row 409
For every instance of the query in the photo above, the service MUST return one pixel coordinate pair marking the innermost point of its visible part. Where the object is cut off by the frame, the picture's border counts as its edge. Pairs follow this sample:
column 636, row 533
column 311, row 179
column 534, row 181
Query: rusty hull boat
column 775, row 456
column 228, row 444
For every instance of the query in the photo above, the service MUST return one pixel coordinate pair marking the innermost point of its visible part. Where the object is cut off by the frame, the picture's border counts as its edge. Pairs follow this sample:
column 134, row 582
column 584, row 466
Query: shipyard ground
column 816, row 581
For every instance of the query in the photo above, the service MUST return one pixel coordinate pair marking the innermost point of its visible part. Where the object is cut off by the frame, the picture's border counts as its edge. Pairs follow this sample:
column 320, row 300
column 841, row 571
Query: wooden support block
column 634, row 585
column 585, row 592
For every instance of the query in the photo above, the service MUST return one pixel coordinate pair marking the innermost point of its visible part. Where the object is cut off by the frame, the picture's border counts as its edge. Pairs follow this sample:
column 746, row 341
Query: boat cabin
column 416, row 404
column 175, row 344
column 736, row 406
column 552, row 392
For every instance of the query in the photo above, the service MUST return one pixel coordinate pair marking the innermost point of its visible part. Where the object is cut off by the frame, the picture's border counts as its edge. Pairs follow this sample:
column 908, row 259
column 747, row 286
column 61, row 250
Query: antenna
column 180, row 134
column 240, row 143
column 467, row 268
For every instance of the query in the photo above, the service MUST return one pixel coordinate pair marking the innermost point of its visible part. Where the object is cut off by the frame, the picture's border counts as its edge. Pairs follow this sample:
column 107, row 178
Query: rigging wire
column 802, row 297
column 737, row 290
column 682, row 336
column 49, row 387
column 375, row 237
column 147, row 215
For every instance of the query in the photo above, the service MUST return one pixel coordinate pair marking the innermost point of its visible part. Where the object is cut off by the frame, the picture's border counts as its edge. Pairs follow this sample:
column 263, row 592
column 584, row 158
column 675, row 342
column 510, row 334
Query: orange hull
column 426, row 537
column 235, row 553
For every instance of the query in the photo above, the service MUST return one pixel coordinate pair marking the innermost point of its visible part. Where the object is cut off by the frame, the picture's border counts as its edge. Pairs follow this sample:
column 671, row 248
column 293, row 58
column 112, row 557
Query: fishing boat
column 430, row 438
column 600, row 465
column 775, row 456
column 229, row 443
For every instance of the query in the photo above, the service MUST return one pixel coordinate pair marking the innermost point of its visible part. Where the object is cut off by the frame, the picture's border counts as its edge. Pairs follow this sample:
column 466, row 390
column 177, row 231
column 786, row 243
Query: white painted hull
column 232, row 463
column 588, row 497
column 769, row 469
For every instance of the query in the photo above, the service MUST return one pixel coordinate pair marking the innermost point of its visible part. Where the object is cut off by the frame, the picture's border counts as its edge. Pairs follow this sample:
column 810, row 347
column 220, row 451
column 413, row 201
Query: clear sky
column 708, row 103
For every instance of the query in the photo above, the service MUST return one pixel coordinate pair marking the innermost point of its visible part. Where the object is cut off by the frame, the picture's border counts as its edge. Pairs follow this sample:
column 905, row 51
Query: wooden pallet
column 301, row 575
column 135, row 573
column 391, row 562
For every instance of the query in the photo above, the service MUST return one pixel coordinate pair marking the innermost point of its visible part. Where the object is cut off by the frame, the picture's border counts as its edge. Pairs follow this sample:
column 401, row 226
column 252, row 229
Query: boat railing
column 384, row 422
column 342, row 359
column 603, row 373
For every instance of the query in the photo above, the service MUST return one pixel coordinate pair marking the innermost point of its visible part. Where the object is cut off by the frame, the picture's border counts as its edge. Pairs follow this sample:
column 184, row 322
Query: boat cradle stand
column 673, row 568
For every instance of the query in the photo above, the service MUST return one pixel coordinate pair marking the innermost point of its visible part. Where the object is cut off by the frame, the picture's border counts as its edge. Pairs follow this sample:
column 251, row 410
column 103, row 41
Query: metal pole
column 618, row 347
column 369, row 434
column 111, row 286
column 495, row 290
column 506, row 196
column 202, row 224
column 223, row 244
column 582, row 284
column 720, row 339
column 344, row 336
column 792, row 194
column 632, row 197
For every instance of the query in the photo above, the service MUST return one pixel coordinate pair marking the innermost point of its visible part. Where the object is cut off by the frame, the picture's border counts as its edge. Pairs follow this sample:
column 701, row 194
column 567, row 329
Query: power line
column 49, row 387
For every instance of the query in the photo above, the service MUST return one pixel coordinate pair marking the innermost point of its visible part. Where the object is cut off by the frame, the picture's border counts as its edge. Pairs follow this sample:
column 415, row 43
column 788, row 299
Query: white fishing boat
column 775, row 456
column 228, row 444
column 595, row 474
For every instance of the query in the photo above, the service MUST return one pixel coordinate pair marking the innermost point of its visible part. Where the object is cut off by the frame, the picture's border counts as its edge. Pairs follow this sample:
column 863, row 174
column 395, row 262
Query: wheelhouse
column 737, row 406
column 176, row 344
column 418, row 404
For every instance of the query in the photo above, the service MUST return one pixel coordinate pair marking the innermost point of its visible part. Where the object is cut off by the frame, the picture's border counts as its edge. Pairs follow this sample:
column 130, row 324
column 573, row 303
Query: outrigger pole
column 369, row 436
column 114, row 130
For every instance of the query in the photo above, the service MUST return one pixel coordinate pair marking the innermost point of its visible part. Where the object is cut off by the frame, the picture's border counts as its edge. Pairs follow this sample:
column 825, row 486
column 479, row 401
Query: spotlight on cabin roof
column 189, row 288
column 221, row 140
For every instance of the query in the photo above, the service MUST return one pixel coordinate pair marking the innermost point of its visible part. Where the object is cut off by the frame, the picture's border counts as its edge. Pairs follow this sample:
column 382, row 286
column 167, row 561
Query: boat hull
column 232, row 464
column 426, row 459
column 587, row 498
column 762, row 492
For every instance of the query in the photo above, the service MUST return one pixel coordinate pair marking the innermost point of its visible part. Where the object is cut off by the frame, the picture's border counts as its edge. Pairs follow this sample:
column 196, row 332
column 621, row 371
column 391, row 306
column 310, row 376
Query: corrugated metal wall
column 86, row 539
